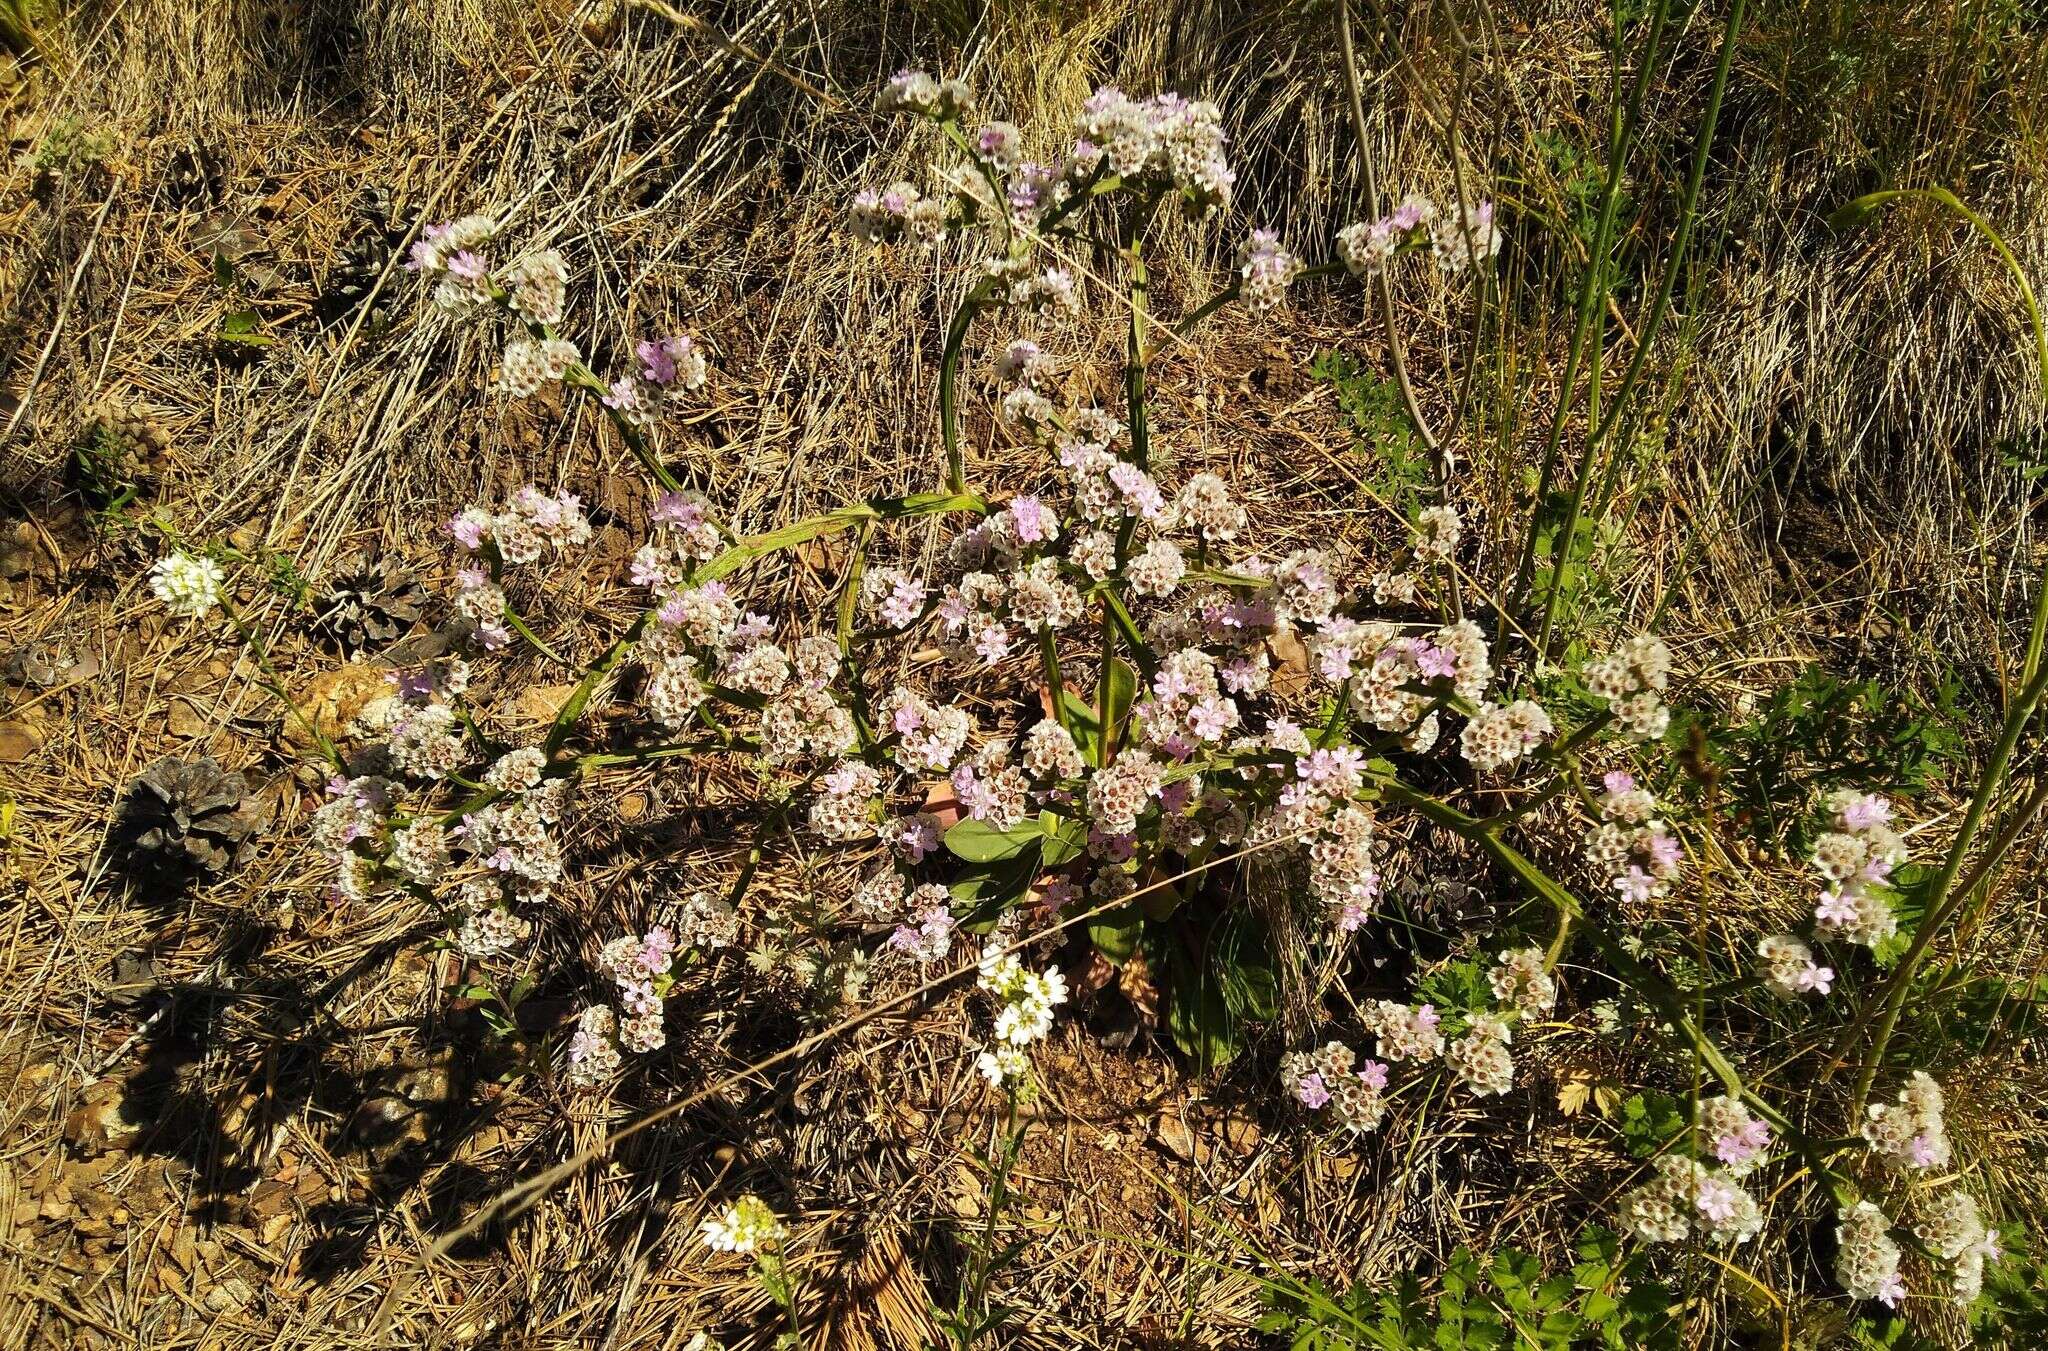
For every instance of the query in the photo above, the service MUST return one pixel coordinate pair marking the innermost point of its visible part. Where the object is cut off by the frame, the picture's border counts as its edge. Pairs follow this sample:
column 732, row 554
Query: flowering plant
column 1168, row 756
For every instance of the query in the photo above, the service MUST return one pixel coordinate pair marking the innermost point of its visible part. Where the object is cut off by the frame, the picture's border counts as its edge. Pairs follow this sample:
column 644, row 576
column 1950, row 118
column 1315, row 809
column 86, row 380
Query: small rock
column 18, row 742
column 187, row 721
column 1175, row 1137
column 1241, row 1134
column 229, row 1295
column 540, row 703
column 98, row 1124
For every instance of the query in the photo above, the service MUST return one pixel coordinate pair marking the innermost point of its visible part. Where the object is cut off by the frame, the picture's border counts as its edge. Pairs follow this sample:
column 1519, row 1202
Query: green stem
column 1592, row 289
column 1688, row 213
column 274, row 683
column 519, row 627
column 1942, row 899
column 949, row 385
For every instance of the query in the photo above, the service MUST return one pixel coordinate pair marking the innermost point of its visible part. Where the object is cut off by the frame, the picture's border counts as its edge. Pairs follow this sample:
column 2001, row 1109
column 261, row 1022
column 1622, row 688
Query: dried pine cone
column 194, row 175
column 370, row 601
column 361, row 263
column 190, row 814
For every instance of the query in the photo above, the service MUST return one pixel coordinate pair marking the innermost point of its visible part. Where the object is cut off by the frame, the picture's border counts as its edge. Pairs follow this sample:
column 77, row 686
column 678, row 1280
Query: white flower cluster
column 1151, row 147
column 451, row 252
column 642, row 969
column 1631, row 847
column 914, row 92
column 530, row 522
column 1405, row 1033
column 1789, row 968
column 929, row 737
column 1437, row 532
column 668, row 368
column 885, row 215
column 1480, row 1058
column 1726, row 1129
column 1331, row 1076
column 1368, row 246
column 1497, row 735
column 1866, row 1257
column 534, row 290
column 529, row 366
column 1458, row 238
column 1687, row 1198
column 187, row 585
column 1519, row 979
column 844, row 809
column 1855, row 857
column 536, row 287
column 1632, row 681
column 1265, row 270
column 1910, row 1132
column 1166, row 143
column 745, row 1226
column 1953, row 1228
column 1026, row 998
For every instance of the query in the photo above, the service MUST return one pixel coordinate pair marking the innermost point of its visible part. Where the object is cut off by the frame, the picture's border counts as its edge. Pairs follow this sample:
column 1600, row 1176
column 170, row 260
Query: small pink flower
column 918, row 837
column 1635, row 885
column 1866, row 811
column 1716, row 1200
column 1891, row 1291
column 468, row 530
column 678, row 510
column 1920, row 1150
column 1618, row 781
column 657, row 367
column 1815, row 979
column 1435, row 662
column 1836, row 907
column 1030, row 519
column 1311, row 1091
column 992, row 644
column 1664, row 851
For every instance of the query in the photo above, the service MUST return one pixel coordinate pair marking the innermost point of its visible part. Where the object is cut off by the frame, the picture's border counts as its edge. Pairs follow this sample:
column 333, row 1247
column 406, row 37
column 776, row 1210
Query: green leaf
column 1197, row 1013
column 1115, row 933
column 992, row 887
column 1650, row 1120
column 1064, row 838
column 1082, row 723
column 980, row 842
column 223, row 271
column 245, row 328
column 1122, row 688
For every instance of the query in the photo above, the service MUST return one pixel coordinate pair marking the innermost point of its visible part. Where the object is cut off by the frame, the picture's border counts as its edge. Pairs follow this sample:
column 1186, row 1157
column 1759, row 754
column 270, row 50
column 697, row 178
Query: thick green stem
column 1942, row 899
